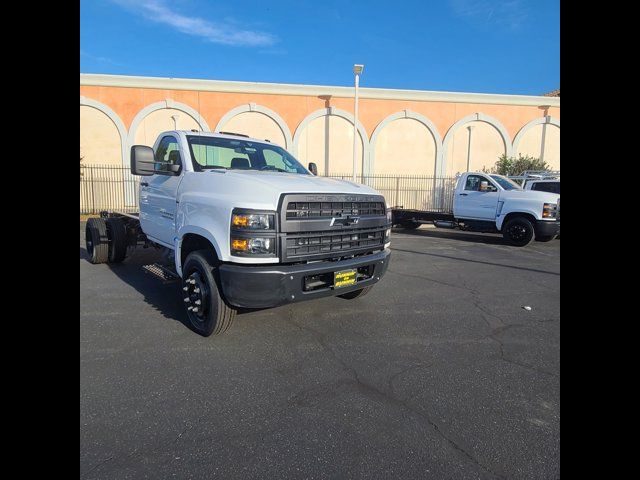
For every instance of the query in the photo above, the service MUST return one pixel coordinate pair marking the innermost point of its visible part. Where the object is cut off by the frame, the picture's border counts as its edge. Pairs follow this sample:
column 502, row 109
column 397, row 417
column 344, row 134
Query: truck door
column 158, row 192
column 475, row 201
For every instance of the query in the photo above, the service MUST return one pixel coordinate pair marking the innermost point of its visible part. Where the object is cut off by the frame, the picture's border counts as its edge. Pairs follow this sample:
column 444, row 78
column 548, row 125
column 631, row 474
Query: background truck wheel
column 358, row 293
column 207, row 311
column 97, row 241
column 410, row 224
column 117, row 239
column 545, row 238
column 518, row 231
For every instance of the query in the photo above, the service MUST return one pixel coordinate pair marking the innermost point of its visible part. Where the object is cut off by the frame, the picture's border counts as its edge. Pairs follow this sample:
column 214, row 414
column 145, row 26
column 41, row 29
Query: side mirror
column 313, row 168
column 142, row 160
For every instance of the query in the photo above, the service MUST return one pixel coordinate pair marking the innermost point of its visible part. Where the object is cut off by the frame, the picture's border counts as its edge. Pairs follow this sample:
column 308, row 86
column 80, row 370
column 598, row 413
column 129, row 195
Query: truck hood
column 227, row 189
column 278, row 182
column 544, row 197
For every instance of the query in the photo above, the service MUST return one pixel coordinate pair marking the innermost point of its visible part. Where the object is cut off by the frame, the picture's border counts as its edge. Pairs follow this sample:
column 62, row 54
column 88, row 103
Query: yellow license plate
column 344, row 278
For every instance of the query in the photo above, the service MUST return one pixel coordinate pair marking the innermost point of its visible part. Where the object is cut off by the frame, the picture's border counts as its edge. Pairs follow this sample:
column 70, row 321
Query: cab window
column 473, row 183
column 167, row 153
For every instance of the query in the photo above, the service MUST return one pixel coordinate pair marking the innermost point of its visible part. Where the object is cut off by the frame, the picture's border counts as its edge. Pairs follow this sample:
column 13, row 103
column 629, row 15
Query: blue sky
column 485, row 46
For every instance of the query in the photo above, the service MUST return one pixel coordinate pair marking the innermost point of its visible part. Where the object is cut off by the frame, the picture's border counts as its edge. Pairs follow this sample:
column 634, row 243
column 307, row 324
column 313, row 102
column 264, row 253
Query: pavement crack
column 389, row 398
column 433, row 280
column 504, row 358
column 97, row 465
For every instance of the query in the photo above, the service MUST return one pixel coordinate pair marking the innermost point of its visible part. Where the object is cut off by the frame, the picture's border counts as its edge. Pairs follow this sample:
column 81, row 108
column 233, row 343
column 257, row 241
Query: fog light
column 256, row 246
column 240, row 245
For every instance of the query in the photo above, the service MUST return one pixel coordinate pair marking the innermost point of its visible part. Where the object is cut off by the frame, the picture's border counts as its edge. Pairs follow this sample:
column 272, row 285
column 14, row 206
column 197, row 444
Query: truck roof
column 238, row 136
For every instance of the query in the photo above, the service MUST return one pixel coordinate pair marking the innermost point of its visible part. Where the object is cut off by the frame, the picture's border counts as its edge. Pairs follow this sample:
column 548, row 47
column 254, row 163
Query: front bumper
column 269, row 286
column 547, row 227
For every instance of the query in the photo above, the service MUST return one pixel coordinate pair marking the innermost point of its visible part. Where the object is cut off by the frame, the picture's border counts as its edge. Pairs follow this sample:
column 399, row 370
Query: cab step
column 164, row 274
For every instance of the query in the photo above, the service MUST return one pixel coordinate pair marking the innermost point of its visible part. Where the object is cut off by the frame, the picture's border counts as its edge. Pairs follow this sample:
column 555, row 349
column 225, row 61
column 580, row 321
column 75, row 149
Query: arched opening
column 257, row 125
column 325, row 137
column 161, row 120
column 474, row 146
column 100, row 142
column 530, row 143
column 405, row 146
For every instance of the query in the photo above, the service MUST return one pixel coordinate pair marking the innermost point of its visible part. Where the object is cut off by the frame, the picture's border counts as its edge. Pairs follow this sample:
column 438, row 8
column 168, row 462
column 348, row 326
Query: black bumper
column 547, row 228
column 249, row 286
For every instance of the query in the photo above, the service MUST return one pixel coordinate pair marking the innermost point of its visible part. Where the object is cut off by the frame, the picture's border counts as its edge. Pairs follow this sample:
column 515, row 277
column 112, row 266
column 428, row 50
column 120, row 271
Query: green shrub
column 516, row 166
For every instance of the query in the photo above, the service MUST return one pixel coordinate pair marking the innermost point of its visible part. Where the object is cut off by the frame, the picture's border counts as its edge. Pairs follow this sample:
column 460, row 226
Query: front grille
column 308, row 245
column 297, row 210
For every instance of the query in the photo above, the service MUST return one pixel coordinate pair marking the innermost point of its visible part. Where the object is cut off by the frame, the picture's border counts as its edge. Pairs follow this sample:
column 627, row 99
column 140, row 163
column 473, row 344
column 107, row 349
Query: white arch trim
column 479, row 117
column 338, row 113
column 433, row 130
column 113, row 116
column 168, row 103
column 538, row 121
column 252, row 107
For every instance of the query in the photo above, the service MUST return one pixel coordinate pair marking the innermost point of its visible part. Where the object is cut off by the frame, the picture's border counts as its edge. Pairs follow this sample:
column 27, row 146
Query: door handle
column 144, row 184
column 463, row 194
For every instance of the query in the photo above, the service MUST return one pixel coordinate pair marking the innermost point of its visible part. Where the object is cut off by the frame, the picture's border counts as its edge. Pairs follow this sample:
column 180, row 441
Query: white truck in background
column 543, row 181
column 246, row 226
column 488, row 202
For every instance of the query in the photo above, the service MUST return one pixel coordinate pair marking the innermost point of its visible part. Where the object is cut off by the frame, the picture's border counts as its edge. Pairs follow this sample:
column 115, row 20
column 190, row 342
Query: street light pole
column 545, row 108
column 357, row 70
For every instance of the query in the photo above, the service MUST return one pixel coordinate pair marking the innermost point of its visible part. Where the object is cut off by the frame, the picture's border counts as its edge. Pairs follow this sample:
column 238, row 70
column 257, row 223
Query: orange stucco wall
column 127, row 102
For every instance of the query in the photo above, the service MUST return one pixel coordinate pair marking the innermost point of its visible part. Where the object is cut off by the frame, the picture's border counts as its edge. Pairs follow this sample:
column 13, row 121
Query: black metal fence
column 107, row 187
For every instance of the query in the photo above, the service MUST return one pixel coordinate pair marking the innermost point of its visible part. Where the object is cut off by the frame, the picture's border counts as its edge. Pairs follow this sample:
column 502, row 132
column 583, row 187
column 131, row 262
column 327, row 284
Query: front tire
column 97, row 240
column 208, row 313
column 518, row 231
column 356, row 294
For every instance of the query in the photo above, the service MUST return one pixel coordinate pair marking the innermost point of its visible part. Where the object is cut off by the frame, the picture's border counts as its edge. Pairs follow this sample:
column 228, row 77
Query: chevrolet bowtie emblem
column 348, row 220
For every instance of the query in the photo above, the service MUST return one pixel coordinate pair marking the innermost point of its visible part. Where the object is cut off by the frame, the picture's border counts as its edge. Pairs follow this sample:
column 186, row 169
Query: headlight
column 252, row 233
column 253, row 221
column 389, row 215
column 549, row 210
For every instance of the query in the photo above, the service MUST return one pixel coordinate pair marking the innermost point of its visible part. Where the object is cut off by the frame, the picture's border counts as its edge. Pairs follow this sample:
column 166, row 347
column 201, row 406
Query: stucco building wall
column 400, row 132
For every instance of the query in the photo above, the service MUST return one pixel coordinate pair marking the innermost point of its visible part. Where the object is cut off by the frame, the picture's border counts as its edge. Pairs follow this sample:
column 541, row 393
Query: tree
column 516, row 166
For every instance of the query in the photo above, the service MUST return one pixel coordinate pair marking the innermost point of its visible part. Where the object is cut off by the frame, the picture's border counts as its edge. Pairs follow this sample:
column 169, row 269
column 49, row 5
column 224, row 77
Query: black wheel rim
column 196, row 295
column 517, row 232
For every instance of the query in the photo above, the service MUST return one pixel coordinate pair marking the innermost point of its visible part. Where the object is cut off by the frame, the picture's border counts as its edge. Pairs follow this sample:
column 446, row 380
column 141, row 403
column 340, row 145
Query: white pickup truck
column 488, row 202
column 246, row 226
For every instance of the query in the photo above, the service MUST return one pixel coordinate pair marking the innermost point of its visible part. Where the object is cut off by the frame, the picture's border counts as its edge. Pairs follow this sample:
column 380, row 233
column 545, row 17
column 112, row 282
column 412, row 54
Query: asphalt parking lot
column 438, row 373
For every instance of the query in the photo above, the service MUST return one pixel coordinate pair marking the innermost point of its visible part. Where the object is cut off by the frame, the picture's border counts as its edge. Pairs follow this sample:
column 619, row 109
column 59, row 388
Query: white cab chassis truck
column 245, row 226
column 493, row 203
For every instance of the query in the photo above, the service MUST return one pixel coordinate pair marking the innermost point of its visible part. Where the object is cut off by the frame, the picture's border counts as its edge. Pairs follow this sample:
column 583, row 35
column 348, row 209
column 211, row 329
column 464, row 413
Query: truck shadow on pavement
column 162, row 296
column 472, row 237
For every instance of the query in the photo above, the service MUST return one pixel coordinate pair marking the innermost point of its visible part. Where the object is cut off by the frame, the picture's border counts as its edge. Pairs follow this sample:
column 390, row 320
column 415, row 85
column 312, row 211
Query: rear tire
column 356, row 294
column 545, row 238
column 97, row 241
column 117, row 232
column 518, row 231
column 410, row 224
column 212, row 316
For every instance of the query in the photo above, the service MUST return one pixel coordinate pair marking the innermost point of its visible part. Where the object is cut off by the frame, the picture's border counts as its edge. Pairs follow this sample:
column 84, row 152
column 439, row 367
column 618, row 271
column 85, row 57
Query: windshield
column 505, row 183
column 233, row 154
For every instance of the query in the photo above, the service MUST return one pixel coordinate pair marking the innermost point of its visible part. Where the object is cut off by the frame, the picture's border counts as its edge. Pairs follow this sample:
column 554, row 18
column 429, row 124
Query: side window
column 473, row 183
column 168, row 151
column 550, row 187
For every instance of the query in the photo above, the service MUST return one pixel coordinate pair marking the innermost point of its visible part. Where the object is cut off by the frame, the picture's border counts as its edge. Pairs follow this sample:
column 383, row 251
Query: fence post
column 93, row 198
column 397, row 191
